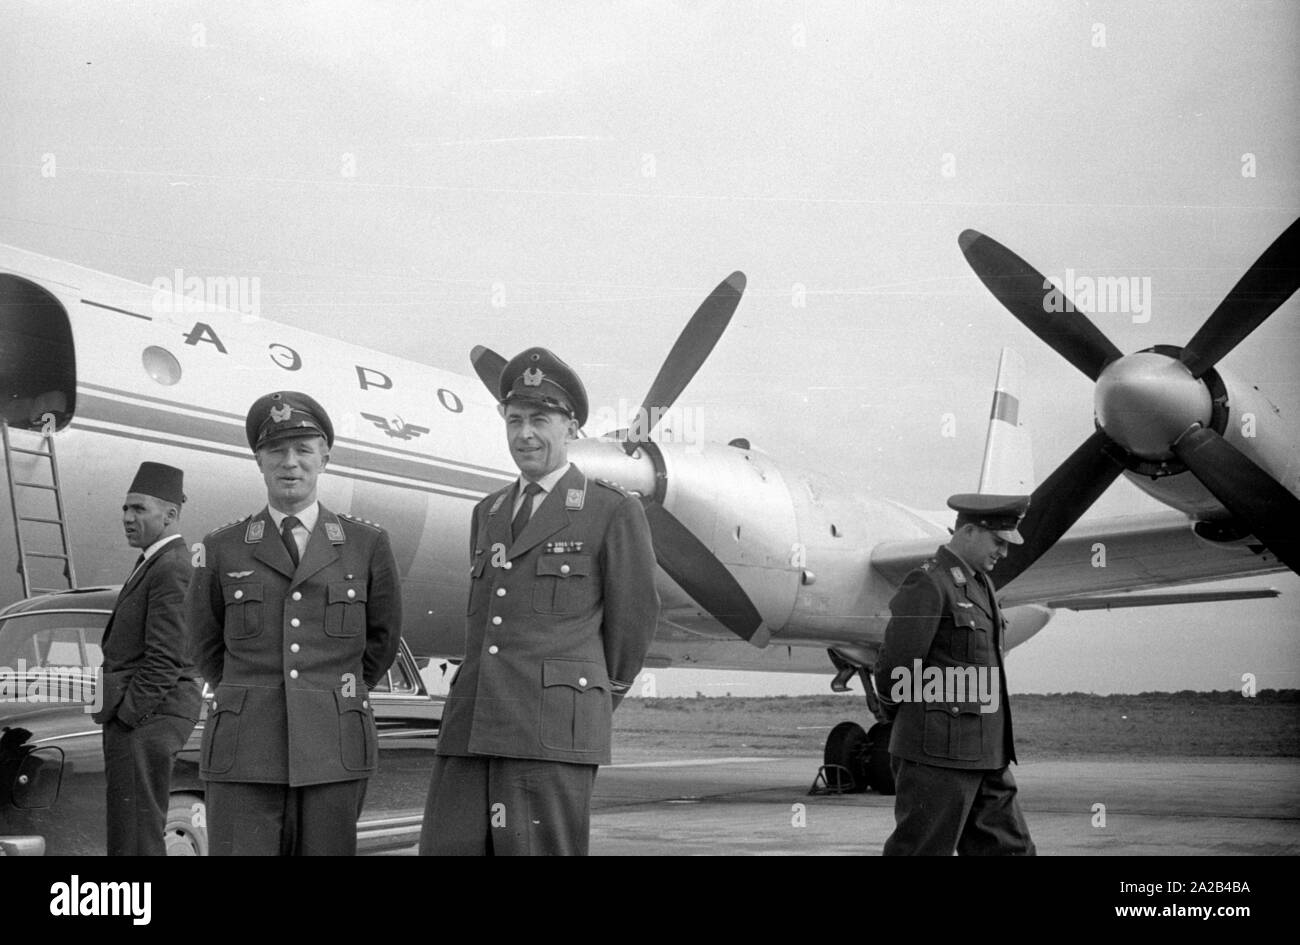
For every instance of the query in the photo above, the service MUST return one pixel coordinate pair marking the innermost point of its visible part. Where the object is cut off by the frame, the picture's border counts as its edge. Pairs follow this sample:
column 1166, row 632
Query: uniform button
column 496, row 621
column 494, row 649
column 294, row 648
column 239, row 595
column 582, row 680
column 365, row 703
column 351, row 592
column 564, row 569
column 295, row 622
column 214, row 705
column 954, row 710
column 297, row 595
column 293, row 674
column 501, row 592
column 508, row 565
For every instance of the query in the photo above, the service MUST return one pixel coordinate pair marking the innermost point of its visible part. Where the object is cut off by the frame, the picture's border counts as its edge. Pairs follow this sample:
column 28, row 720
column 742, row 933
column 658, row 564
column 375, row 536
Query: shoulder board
column 229, row 525
column 360, row 521
column 930, row 565
column 613, row 486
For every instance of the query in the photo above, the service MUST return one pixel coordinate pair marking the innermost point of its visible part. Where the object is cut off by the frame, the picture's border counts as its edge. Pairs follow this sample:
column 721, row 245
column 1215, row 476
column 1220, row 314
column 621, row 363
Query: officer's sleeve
column 631, row 602
column 383, row 613
column 916, row 610
column 166, row 648
column 205, row 610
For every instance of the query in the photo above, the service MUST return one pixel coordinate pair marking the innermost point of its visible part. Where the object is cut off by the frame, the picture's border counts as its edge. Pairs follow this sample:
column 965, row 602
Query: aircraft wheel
column 880, row 773
column 846, row 746
column 186, row 833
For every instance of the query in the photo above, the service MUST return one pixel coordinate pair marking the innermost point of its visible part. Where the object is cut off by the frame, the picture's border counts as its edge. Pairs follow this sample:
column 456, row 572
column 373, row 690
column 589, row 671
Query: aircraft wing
column 1106, row 556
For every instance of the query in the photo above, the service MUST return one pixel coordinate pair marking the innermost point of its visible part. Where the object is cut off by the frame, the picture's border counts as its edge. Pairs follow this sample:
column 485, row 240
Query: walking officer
column 296, row 613
column 941, row 673
column 562, row 608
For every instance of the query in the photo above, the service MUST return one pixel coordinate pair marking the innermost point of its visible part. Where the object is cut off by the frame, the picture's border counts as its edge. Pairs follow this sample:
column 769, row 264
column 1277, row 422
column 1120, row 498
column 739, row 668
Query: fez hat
column 160, row 481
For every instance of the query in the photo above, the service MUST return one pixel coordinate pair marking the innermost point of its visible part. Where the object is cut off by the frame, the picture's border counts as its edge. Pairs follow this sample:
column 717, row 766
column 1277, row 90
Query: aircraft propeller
column 1153, row 406
column 683, row 556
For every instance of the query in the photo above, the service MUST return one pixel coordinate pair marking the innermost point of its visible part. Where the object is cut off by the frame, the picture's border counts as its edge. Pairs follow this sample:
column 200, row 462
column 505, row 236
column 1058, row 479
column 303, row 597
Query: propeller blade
column 1256, row 296
column 488, row 365
column 1057, row 504
column 1257, row 499
column 687, row 355
column 1024, row 291
column 698, row 572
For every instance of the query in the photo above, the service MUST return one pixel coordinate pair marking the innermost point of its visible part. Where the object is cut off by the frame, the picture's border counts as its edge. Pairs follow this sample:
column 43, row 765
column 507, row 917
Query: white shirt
column 306, row 524
column 547, row 483
column 149, row 553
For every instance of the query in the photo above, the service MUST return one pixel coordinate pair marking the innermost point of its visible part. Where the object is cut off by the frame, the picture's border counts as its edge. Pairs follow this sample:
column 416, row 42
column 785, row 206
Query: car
column 51, row 753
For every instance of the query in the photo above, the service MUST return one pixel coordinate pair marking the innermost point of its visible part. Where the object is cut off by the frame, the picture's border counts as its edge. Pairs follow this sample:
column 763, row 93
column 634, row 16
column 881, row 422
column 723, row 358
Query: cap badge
column 281, row 414
column 533, row 377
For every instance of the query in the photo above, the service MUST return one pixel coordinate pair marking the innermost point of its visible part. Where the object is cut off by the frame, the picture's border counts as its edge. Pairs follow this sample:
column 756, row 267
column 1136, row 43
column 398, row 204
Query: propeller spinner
column 1157, row 410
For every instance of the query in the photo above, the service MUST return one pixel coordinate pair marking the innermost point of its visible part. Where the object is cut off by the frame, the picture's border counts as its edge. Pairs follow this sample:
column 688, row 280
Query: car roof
column 82, row 598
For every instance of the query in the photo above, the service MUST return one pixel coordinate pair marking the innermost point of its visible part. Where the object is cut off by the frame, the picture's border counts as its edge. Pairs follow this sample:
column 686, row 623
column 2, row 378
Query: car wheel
column 186, row 833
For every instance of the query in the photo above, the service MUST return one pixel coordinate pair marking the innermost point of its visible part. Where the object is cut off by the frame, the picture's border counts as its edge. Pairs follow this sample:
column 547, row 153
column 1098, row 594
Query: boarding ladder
column 45, row 458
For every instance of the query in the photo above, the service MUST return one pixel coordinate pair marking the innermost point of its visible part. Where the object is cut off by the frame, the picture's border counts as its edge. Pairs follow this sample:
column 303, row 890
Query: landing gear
column 856, row 759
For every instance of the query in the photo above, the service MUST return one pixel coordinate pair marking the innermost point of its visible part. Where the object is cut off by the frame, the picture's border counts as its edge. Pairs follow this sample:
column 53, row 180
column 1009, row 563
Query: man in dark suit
column 149, row 697
column 562, row 608
column 296, row 613
column 941, row 674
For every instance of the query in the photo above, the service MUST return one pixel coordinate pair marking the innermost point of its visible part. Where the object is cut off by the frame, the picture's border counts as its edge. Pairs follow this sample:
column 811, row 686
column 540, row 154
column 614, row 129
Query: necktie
column 525, row 510
column 286, row 535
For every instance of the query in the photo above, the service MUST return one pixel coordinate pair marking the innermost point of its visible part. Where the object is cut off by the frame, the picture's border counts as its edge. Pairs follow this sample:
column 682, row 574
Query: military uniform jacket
column 148, row 669
column 291, row 652
column 558, row 624
column 946, row 617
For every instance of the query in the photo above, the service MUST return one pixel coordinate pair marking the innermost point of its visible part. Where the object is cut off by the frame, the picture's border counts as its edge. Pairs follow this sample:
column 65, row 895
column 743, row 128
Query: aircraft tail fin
column 1008, row 455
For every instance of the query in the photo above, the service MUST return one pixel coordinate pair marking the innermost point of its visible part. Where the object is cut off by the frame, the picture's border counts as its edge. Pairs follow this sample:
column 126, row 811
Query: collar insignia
column 958, row 575
column 254, row 533
column 574, row 498
column 497, row 504
column 334, row 532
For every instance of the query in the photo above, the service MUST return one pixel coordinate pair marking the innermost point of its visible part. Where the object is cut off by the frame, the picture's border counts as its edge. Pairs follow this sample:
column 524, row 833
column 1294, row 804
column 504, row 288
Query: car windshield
column 64, row 640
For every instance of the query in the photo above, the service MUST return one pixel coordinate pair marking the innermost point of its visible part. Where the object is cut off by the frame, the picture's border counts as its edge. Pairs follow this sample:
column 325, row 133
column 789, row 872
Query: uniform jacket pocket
column 221, row 732
column 357, row 737
column 345, row 608
column 563, row 584
column 954, row 731
column 243, row 609
column 576, row 705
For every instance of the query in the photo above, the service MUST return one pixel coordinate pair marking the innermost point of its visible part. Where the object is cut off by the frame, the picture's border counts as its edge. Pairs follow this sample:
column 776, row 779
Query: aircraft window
column 835, row 530
column 161, row 365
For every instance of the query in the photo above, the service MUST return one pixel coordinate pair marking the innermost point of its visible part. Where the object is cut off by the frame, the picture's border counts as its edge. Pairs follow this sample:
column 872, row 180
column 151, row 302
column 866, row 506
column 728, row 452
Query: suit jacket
column 947, row 623
column 148, row 669
column 558, row 624
column 291, row 652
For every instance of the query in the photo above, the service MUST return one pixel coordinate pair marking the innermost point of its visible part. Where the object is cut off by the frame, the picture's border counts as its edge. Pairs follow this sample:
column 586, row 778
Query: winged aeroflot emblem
column 533, row 377
column 282, row 413
column 396, row 428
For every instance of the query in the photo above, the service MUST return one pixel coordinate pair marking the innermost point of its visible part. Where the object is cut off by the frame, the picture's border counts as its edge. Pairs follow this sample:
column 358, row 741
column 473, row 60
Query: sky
column 421, row 178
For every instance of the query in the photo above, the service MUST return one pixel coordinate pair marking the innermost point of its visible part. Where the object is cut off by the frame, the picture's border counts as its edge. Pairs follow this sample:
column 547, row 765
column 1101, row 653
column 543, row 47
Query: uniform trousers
column 249, row 819
column 507, row 807
column 974, row 811
column 137, row 781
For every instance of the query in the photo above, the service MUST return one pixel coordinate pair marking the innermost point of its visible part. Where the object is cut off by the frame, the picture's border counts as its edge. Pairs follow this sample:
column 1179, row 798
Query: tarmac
column 1096, row 807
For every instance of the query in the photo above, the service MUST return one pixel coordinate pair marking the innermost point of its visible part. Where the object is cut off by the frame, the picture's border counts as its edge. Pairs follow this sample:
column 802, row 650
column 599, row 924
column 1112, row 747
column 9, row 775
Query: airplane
column 763, row 565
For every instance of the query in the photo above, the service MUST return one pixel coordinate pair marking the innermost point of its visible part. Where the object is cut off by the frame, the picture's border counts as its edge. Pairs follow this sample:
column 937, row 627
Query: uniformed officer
column 150, row 698
column 941, row 673
column 562, row 608
column 296, row 613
